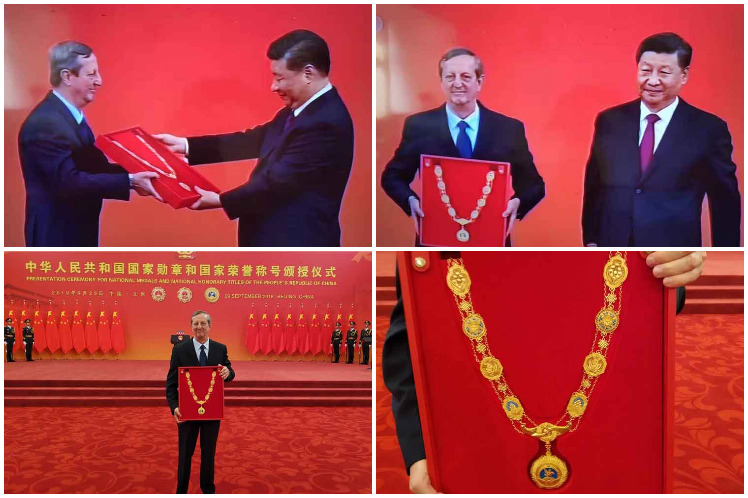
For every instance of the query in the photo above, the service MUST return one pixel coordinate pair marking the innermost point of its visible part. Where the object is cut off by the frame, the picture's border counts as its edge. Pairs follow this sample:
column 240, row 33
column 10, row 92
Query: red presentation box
column 464, row 182
column 201, row 379
column 539, row 310
column 177, row 180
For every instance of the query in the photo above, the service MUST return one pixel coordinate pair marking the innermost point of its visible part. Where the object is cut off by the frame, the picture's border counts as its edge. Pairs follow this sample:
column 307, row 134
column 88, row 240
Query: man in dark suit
column 653, row 160
column 293, row 196
column 463, row 127
column 66, row 176
column 200, row 351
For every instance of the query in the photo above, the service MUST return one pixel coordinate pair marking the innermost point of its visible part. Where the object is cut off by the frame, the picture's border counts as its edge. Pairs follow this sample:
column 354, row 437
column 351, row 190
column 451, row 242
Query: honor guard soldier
column 10, row 339
column 28, row 338
column 335, row 340
column 350, row 342
column 365, row 341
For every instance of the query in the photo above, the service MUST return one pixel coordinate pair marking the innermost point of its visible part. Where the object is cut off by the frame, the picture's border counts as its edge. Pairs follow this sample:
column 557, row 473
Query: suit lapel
column 192, row 354
column 482, row 143
column 444, row 136
column 213, row 354
column 629, row 143
column 675, row 133
column 67, row 116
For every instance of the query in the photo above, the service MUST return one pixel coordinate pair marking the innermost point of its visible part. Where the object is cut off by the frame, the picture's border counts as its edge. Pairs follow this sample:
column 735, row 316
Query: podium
column 539, row 309
column 463, row 200
column 205, row 382
column 136, row 151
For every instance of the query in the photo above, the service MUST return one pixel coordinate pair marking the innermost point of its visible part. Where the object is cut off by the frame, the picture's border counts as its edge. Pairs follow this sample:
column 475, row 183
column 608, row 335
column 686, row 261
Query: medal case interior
column 176, row 195
column 539, row 310
column 200, row 377
column 464, row 180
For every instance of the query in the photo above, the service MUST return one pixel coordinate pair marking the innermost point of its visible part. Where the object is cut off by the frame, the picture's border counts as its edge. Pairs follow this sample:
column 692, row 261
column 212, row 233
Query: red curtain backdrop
column 185, row 70
column 140, row 326
column 554, row 67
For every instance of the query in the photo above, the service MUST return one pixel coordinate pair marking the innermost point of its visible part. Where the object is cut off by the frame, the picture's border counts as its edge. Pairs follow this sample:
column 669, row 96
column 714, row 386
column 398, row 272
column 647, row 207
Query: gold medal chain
column 201, row 410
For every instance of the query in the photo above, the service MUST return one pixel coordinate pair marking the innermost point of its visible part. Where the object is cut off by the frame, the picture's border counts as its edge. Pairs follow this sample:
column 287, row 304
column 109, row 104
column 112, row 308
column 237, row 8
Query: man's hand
column 141, row 182
column 511, row 210
column 415, row 212
column 209, row 200
column 676, row 268
column 419, row 478
column 223, row 372
column 177, row 145
column 177, row 415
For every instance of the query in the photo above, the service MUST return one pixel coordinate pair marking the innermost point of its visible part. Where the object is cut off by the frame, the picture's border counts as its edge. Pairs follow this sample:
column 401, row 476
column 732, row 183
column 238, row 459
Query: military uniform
column 365, row 342
column 350, row 343
column 28, row 340
column 335, row 340
column 10, row 341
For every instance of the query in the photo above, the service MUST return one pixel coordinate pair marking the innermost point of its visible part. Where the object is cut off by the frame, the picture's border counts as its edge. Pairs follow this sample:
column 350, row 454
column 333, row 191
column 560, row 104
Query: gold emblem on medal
column 491, row 368
column 158, row 294
column 594, row 364
column 212, row 294
column 513, row 408
column 615, row 272
column 458, row 280
column 473, row 326
column 606, row 321
column 184, row 294
column 577, row 405
column 549, row 472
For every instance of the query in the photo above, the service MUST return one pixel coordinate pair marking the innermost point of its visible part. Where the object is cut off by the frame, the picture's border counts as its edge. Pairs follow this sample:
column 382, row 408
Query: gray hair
column 462, row 51
column 66, row 55
column 200, row 312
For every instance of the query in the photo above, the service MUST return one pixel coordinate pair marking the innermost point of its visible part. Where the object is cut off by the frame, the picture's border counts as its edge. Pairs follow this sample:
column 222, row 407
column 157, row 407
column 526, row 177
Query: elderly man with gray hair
column 66, row 176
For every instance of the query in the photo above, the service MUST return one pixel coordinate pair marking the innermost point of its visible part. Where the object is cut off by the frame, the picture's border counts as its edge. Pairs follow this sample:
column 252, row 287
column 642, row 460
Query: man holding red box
column 463, row 127
column 66, row 176
column 201, row 351
column 293, row 196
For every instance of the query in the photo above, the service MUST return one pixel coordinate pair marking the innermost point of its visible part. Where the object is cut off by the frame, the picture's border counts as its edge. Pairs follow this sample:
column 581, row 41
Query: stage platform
column 142, row 383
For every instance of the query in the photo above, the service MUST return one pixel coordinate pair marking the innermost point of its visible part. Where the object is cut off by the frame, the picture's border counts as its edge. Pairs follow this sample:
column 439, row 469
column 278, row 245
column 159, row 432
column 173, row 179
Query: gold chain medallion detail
column 549, row 472
column 577, row 405
column 606, row 321
column 473, row 326
column 458, row 280
column 615, row 272
column 594, row 364
column 491, row 368
column 201, row 410
column 513, row 408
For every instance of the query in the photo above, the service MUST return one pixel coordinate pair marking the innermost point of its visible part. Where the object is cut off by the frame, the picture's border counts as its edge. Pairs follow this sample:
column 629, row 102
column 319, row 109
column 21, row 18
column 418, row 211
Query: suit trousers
column 188, row 432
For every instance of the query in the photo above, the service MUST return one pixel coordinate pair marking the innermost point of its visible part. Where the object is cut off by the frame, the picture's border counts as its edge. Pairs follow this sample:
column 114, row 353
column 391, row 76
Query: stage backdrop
column 554, row 67
column 156, row 293
column 185, row 70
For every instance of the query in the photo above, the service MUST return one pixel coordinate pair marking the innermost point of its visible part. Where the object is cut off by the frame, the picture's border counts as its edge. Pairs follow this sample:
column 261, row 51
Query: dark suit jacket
column 662, row 207
column 500, row 138
column 183, row 355
column 66, row 178
column 293, row 196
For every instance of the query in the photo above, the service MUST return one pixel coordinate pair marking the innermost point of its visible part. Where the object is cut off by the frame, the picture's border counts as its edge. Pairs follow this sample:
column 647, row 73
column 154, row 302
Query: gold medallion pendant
column 201, row 410
column 549, row 471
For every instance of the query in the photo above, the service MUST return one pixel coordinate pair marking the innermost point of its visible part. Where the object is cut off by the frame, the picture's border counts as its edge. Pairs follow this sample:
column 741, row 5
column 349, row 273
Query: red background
column 185, row 70
column 148, row 324
column 541, row 342
column 554, row 67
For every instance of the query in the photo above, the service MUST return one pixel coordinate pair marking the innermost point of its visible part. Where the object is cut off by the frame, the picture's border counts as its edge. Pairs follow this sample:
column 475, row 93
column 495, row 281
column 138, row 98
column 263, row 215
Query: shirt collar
column 472, row 120
column 197, row 345
column 324, row 89
column 77, row 114
column 664, row 114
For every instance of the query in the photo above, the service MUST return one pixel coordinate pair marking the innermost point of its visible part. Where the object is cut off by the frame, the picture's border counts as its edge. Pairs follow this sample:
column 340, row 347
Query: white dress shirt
column 660, row 126
column 197, row 347
column 317, row 95
column 473, row 121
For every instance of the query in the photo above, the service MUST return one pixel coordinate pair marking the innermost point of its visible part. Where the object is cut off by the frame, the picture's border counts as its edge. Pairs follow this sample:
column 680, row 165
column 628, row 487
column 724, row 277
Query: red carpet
column 260, row 450
column 708, row 409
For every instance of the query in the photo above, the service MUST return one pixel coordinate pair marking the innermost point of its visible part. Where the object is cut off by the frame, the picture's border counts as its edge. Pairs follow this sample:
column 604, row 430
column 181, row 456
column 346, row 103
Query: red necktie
column 646, row 149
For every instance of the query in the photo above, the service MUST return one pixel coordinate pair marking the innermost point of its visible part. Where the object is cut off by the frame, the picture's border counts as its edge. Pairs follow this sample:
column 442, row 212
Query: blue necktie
column 203, row 356
column 86, row 134
column 463, row 141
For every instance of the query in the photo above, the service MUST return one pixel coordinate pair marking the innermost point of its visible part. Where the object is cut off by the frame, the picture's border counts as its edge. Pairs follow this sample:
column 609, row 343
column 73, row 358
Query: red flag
column 350, row 315
column 312, row 338
column 66, row 335
column 302, row 334
column 118, row 332
column 11, row 313
column 92, row 335
column 79, row 334
column 19, row 330
column 339, row 318
column 40, row 337
column 250, row 336
column 53, row 335
column 105, row 336
column 326, row 331
column 266, row 340
column 289, row 333
column 277, row 332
